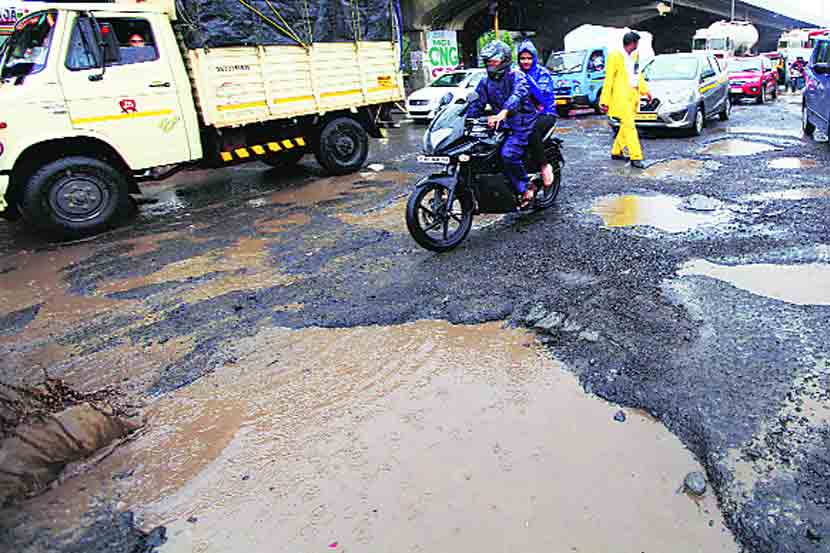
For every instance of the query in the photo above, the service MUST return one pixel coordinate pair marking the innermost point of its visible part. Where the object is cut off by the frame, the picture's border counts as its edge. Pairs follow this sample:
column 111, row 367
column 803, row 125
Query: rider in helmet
column 506, row 91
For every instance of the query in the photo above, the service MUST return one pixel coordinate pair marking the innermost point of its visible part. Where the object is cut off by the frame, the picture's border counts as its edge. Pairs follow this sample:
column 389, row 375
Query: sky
column 814, row 11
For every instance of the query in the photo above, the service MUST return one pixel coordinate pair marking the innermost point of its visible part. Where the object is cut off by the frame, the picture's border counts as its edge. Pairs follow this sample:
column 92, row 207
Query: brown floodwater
column 804, row 284
column 675, row 168
column 659, row 211
column 422, row 437
column 736, row 147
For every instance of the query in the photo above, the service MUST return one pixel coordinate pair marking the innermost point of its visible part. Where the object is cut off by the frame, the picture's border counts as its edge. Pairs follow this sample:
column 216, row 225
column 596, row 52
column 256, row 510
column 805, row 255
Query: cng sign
column 442, row 51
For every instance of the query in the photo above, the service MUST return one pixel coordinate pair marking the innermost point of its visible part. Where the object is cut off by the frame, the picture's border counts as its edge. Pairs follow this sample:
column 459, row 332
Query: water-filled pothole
column 793, row 194
column 420, row 437
column 663, row 212
column 804, row 284
column 736, row 147
column 792, row 163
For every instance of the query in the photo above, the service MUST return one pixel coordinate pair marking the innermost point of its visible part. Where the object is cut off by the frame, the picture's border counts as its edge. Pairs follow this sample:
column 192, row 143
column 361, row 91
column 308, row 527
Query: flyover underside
column 551, row 22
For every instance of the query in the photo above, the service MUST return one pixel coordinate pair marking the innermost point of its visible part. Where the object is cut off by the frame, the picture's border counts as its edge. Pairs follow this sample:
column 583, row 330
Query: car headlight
column 436, row 137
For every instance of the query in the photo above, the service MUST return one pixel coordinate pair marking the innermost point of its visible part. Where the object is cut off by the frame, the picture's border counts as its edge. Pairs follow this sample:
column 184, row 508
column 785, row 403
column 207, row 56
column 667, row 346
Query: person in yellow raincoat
column 624, row 86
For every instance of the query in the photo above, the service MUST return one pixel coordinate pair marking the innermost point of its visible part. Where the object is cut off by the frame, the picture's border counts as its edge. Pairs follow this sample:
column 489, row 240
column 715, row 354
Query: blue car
column 815, row 111
column 578, row 78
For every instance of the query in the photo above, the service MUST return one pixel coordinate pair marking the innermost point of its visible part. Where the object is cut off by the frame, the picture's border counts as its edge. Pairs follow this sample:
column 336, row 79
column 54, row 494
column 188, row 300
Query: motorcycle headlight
column 436, row 137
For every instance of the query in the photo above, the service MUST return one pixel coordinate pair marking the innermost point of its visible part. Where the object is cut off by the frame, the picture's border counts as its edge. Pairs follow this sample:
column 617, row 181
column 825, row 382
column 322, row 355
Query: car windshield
column 566, row 62
column 671, row 68
column 736, row 65
column 450, row 80
column 27, row 49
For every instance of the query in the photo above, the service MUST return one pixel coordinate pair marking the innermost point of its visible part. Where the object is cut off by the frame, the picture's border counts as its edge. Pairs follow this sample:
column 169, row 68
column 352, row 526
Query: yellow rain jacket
column 617, row 93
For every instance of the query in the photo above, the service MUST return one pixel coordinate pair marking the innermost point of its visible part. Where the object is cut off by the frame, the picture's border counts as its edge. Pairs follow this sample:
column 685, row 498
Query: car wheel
column 775, row 92
column 762, row 96
column 727, row 110
column 699, row 123
column 806, row 126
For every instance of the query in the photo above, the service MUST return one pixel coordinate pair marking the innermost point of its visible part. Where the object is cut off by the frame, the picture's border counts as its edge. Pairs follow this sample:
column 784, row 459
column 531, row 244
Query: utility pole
column 733, row 10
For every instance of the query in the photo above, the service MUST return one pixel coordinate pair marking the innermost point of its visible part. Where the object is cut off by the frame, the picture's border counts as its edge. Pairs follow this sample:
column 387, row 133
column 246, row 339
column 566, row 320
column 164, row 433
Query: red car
column 752, row 77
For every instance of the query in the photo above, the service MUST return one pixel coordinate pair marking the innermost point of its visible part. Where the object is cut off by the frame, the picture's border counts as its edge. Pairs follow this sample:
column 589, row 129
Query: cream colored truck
column 78, row 136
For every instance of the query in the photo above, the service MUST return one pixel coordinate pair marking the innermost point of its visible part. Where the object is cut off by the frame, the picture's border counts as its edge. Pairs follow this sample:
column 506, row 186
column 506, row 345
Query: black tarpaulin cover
column 214, row 23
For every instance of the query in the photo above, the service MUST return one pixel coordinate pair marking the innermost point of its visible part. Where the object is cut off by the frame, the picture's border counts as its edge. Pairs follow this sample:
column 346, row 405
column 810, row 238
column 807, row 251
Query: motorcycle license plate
column 434, row 160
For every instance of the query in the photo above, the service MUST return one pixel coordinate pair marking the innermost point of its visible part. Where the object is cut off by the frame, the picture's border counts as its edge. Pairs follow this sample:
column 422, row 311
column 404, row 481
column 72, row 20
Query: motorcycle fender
column 447, row 181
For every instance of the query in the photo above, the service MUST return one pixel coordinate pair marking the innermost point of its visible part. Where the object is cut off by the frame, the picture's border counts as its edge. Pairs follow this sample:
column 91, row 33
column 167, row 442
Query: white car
column 423, row 103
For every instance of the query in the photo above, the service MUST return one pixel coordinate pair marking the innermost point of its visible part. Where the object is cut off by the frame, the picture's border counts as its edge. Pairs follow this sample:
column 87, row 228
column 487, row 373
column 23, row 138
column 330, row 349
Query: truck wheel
column 284, row 159
column 595, row 105
column 344, row 146
column 75, row 196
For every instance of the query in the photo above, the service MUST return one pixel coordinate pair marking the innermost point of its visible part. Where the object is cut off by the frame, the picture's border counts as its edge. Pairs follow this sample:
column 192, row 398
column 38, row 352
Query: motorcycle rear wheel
column 435, row 225
column 546, row 197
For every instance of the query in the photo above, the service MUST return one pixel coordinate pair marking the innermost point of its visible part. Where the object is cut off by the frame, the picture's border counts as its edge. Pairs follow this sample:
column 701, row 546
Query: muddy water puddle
column 422, row 437
column 659, row 211
column 805, row 284
column 793, row 163
column 791, row 194
column 736, row 147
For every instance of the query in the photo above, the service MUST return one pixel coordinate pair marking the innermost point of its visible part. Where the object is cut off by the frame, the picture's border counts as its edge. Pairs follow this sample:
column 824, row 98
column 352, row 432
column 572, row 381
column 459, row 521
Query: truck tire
column 343, row 147
column 284, row 159
column 75, row 196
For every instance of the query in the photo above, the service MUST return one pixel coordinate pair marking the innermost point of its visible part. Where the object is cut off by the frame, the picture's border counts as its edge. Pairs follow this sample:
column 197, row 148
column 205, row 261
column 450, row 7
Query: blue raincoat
column 539, row 81
column 511, row 93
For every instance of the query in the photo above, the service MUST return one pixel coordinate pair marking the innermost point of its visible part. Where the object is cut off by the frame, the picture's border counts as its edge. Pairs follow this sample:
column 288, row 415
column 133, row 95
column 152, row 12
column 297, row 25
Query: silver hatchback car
column 688, row 89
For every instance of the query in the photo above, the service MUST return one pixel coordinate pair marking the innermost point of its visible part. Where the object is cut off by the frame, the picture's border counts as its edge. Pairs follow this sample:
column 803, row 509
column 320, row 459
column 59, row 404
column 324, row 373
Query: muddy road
column 313, row 379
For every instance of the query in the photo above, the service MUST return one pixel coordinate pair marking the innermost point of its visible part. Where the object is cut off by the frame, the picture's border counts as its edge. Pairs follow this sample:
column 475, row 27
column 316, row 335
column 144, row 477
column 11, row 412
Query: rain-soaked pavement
column 312, row 380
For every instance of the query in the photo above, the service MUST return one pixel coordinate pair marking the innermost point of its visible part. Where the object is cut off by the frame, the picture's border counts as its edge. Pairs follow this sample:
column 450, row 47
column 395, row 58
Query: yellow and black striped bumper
column 269, row 148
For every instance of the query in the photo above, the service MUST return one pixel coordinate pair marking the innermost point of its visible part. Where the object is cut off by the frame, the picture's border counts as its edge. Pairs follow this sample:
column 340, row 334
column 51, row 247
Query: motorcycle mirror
column 472, row 97
column 446, row 99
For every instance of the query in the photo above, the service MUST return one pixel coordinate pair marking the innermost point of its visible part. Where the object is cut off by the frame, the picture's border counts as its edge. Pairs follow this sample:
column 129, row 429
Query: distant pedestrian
column 624, row 86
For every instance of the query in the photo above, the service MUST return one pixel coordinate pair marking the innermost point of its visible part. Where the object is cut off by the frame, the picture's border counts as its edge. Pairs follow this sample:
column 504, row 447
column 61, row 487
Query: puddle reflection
column 734, row 147
column 805, row 284
column 659, row 211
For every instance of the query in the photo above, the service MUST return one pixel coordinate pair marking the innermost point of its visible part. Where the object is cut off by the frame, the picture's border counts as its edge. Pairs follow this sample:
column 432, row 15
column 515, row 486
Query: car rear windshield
column 449, row 80
column 671, row 68
column 736, row 65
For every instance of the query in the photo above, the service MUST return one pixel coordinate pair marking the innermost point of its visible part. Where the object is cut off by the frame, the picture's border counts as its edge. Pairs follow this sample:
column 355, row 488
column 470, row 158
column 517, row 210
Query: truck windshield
column 566, row 62
column 27, row 49
column 671, row 68
column 718, row 44
column 699, row 44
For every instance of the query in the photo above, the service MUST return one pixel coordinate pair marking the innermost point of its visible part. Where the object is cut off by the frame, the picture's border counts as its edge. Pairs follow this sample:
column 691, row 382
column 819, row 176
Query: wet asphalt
column 740, row 377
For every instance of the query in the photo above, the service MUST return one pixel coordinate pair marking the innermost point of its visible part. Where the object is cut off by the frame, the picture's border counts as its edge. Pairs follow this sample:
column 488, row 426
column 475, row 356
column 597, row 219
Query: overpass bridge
column 550, row 21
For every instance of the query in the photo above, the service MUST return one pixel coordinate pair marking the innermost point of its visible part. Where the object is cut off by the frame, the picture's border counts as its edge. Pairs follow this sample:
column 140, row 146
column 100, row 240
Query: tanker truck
column 726, row 38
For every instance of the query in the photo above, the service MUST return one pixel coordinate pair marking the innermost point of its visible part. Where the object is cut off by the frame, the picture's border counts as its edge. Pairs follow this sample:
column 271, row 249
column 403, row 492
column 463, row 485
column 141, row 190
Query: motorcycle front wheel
column 435, row 224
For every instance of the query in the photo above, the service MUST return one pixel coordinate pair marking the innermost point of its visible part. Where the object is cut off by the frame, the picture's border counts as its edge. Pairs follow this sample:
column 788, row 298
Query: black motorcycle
column 440, row 210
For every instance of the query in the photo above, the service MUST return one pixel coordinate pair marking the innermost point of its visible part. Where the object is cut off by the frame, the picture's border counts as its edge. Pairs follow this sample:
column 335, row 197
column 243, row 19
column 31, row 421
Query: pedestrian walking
column 624, row 86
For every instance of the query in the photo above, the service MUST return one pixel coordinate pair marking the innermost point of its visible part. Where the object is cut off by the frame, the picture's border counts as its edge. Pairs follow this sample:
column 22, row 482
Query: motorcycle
column 441, row 208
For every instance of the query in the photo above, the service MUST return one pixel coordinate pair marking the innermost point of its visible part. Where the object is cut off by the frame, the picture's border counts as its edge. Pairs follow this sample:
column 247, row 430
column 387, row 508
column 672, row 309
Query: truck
column 726, row 39
column 579, row 69
column 98, row 98
column 795, row 44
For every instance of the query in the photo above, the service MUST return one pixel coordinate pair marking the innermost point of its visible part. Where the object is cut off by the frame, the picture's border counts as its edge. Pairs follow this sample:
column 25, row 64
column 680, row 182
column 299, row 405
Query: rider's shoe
column 638, row 164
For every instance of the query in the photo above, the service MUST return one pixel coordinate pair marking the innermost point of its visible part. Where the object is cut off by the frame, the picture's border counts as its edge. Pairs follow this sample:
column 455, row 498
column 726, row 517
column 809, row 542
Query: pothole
column 425, row 436
column 663, row 212
column 794, row 163
column 737, row 147
column 674, row 169
column 793, row 194
column 804, row 284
